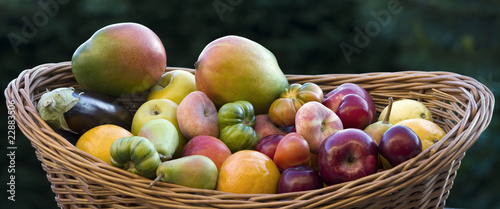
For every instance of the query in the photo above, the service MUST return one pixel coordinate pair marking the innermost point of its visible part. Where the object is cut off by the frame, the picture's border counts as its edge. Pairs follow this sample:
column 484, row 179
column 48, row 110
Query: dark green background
column 460, row 36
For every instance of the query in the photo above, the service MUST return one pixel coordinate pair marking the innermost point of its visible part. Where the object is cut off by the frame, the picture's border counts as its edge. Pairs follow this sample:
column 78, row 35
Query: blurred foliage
column 458, row 36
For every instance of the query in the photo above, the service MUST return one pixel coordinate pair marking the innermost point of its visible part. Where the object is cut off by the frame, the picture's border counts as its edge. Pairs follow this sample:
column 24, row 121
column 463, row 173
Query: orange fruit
column 428, row 131
column 248, row 172
column 97, row 141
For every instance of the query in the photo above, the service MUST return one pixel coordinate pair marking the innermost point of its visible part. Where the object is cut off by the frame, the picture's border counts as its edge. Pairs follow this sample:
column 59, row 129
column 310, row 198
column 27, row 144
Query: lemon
column 428, row 132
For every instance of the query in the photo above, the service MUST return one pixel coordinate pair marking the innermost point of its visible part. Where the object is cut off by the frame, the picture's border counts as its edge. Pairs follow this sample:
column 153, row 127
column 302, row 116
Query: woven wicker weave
column 462, row 106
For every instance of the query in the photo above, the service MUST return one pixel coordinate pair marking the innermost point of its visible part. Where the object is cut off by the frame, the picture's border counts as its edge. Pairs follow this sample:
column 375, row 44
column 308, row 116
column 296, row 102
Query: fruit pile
column 235, row 125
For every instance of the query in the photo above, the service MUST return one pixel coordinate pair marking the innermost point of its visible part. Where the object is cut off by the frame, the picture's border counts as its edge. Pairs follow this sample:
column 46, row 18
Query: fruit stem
column 389, row 108
column 165, row 157
column 157, row 179
column 130, row 165
column 351, row 159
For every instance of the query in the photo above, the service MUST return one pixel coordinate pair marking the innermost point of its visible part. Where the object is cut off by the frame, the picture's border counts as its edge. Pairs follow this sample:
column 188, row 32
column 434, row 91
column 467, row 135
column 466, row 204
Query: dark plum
column 398, row 144
column 267, row 144
column 299, row 178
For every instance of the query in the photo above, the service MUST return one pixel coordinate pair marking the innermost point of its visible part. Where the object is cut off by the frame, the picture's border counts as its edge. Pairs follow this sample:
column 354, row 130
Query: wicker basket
column 462, row 106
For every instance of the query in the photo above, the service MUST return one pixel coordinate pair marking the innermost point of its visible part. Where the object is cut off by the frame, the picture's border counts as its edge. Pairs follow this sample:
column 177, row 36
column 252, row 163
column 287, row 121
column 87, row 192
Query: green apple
column 164, row 136
column 154, row 109
column 173, row 85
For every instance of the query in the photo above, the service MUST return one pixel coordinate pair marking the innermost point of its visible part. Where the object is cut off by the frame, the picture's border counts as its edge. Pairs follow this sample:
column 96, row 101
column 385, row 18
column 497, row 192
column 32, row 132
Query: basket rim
column 478, row 100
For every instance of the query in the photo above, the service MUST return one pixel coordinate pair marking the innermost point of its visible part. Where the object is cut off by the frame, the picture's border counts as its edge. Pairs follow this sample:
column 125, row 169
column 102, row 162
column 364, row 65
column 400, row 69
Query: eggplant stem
column 47, row 103
column 157, row 179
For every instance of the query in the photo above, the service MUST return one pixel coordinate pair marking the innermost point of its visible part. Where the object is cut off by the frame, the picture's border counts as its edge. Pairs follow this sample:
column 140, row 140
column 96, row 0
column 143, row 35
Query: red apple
column 347, row 155
column 333, row 98
column 354, row 112
column 299, row 178
column 398, row 144
column 315, row 122
column 292, row 150
column 268, row 144
column 197, row 115
column 207, row 146
column 264, row 126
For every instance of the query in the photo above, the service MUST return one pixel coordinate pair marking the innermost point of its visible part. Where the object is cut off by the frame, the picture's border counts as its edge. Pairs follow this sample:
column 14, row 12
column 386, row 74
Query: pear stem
column 157, row 179
column 388, row 114
column 164, row 158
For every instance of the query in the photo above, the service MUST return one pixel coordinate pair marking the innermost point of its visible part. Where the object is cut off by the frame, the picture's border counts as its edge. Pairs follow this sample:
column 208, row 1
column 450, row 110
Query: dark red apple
column 333, row 98
column 267, row 144
column 299, row 178
column 398, row 144
column 347, row 155
column 354, row 112
column 292, row 150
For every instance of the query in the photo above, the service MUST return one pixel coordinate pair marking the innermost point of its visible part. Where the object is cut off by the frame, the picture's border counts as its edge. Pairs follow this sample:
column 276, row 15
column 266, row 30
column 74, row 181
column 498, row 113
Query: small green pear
column 164, row 136
column 377, row 129
column 195, row 171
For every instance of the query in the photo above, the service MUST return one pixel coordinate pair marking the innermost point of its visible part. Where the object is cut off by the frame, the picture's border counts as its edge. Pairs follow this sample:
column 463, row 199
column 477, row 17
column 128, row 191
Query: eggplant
column 69, row 136
column 76, row 111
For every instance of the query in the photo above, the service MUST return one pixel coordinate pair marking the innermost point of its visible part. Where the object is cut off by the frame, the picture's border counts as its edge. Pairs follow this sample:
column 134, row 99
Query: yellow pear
column 406, row 109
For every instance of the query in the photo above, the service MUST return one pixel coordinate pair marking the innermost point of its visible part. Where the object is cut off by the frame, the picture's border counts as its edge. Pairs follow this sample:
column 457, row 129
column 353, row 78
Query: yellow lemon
column 428, row 132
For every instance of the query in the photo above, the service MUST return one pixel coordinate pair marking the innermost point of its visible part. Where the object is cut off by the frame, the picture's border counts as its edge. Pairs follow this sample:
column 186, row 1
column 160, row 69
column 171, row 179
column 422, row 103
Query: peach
column 264, row 127
column 197, row 115
column 315, row 122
